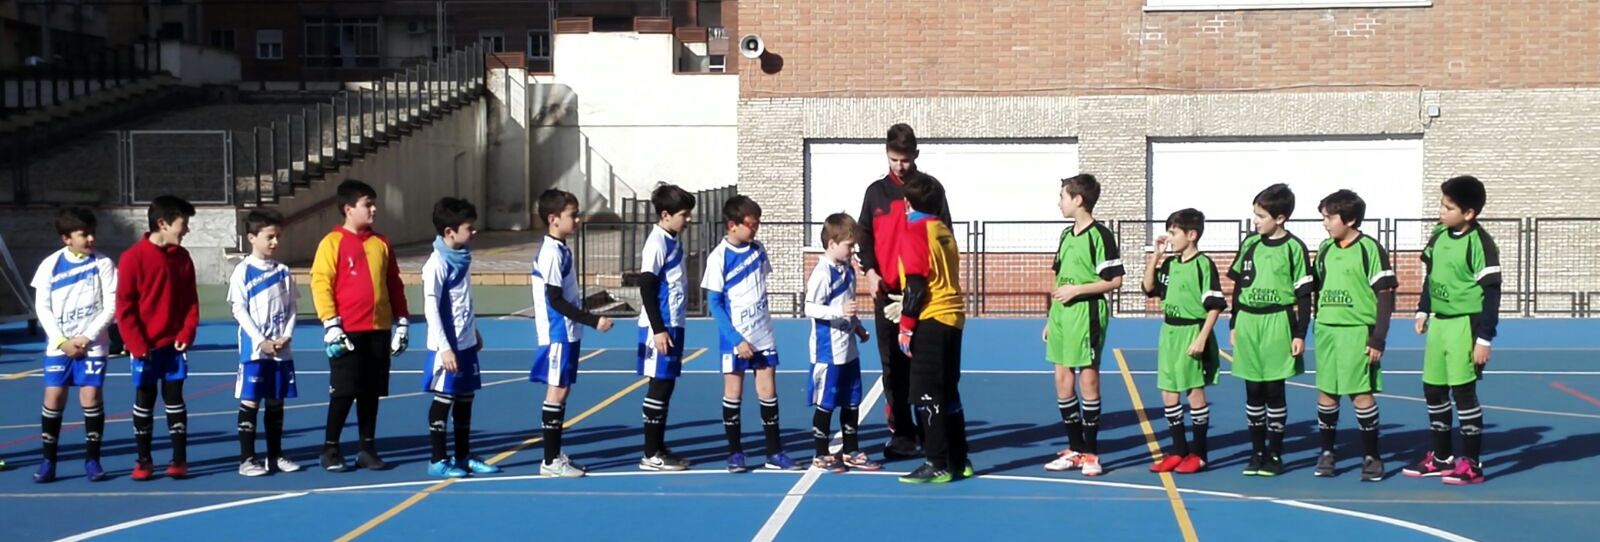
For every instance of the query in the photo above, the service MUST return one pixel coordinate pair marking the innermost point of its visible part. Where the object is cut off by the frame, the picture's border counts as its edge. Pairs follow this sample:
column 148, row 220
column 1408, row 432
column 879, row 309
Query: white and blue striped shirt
column 447, row 305
column 663, row 256
column 740, row 273
column 554, row 268
column 830, row 303
column 263, row 298
column 75, row 296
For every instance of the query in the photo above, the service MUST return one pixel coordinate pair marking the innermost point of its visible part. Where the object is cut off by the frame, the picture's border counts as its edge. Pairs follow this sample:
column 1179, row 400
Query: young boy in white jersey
column 663, row 287
column 557, row 317
column 263, row 297
column 835, row 362
column 75, row 295
column 735, row 282
column 453, row 340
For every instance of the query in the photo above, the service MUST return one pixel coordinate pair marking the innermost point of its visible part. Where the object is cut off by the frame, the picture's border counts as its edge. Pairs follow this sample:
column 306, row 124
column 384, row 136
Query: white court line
column 791, row 500
column 177, row 514
column 864, row 371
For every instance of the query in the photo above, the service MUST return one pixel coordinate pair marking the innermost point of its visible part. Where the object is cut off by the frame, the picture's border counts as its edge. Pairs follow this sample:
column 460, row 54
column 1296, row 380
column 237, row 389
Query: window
column 350, row 42
column 493, row 40
column 223, row 39
column 539, row 43
column 1221, row 5
column 269, row 44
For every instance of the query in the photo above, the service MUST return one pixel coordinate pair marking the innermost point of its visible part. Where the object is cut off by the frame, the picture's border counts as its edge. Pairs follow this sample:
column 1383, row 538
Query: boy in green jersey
column 1459, row 312
column 1355, row 299
column 1271, row 311
column 1187, row 362
column 1087, row 265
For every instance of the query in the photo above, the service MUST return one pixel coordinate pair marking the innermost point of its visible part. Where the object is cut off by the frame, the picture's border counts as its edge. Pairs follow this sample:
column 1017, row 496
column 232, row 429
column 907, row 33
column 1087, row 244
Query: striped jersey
column 264, row 300
column 663, row 256
column 553, row 267
column 740, row 274
column 830, row 303
column 75, row 296
column 447, row 299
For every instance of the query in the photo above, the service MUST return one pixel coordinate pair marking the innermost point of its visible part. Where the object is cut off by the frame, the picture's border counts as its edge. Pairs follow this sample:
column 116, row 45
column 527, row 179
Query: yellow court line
column 502, row 456
column 1178, row 510
column 22, row 375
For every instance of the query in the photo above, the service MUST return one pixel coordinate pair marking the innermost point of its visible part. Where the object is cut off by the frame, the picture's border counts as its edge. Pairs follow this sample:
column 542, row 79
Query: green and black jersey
column 1273, row 275
column 1463, row 278
column 1188, row 289
column 1087, row 257
column 1355, row 286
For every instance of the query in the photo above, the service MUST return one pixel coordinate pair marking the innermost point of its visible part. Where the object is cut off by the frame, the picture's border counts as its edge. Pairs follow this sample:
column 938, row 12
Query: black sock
column 554, row 415
column 1091, row 425
column 1328, row 425
column 462, row 416
column 1255, row 415
column 821, row 435
column 731, row 426
column 1470, row 414
column 957, row 420
column 769, row 425
column 1180, row 443
column 338, row 412
column 50, row 431
column 94, row 430
column 1277, row 417
column 367, row 422
column 177, row 420
column 656, row 402
column 274, row 423
column 1367, row 418
column 1202, row 424
column 934, row 432
column 438, row 412
column 1438, row 398
column 144, row 399
column 849, row 420
column 247, row 432
column 1073, row 421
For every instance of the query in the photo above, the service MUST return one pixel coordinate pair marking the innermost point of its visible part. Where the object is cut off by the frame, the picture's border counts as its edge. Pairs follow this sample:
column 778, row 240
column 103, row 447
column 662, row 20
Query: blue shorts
column 733, row 364
column 663, row 365
column 465, row 380
column 165, row 365
column 832, row 386
column 556, row 364
column 63, row 372
column 265, row 379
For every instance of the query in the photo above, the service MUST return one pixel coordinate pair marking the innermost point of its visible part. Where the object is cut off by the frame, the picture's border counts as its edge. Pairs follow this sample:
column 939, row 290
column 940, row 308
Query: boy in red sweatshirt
column 158, row 310
column 355, row 284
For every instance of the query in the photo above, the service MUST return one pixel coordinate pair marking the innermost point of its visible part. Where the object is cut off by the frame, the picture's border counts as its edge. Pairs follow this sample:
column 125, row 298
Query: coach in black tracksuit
column 883, row 218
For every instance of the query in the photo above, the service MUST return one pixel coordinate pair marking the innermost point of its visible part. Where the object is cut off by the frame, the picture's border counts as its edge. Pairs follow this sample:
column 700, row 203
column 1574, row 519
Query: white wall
column 199, row 65
column 31, row 235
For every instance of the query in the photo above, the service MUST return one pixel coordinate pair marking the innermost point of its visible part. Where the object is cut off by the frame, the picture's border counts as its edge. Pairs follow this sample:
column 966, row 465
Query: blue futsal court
column 1540, row 455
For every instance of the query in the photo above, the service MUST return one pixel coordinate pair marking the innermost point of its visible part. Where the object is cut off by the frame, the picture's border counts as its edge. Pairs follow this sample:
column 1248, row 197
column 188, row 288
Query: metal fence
column 58, row 81
column 1546, row 263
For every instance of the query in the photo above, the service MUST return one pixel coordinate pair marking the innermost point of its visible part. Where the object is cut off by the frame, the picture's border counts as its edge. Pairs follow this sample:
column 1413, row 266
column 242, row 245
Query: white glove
column 401, row 337
column 891, row 310
column 335, row 342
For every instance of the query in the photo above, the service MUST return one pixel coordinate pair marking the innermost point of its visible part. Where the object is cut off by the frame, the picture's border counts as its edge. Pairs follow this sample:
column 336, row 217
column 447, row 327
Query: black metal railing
column 61, row 80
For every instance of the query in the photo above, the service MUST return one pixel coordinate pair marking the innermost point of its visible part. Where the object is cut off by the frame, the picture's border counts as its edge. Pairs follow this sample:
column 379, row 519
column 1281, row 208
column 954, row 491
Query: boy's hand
column 1373, row 355
column 1295, row 348
column 891, row 310
column 181, row 346
column 1065, row 293
column 1044, row 335
column 744, row 350
column 861, row 332
column 478, row 335
column 269, row 348
column 71, row 349
column 1480, row 354
column 1158, row 249
column 401, row 338
column 905, row 343
column 1422, row 324
column 335, row 342
column 1233, row 338
column 604, row 324
column 1197, row 346
column 873, row 281
column 447, row 359
column 663, row 342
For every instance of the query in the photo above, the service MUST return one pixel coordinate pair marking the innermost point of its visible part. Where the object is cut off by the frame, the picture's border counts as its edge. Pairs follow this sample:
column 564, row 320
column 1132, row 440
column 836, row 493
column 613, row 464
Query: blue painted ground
column 1540, row 451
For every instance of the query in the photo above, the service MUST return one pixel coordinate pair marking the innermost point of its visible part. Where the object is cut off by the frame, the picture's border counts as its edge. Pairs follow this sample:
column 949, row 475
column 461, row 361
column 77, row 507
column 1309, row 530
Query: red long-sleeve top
column 157, row 303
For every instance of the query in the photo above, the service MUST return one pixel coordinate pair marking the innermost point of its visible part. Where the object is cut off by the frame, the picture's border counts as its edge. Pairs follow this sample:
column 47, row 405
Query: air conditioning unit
column 416, row 27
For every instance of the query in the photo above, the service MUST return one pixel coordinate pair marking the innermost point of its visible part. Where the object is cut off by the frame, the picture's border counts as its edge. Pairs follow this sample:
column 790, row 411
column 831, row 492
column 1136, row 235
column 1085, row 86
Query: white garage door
column 1014, row 180
column 1221, row 178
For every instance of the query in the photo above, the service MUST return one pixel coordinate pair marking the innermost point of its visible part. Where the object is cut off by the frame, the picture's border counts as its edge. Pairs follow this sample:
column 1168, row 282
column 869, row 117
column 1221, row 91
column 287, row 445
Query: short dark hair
column 838, row 228
column 451, row 212
column 351, row 191
column 671, row 199
column 71, row 219
column 1346, row 205
column 168, row 209
column 1277, row 200
column 923, row 192
column 738, row 207
column 1190, row 219
column 260, row 219
column 1083, row 185
column 901, row 139
column 554, row 202
column 1467, row 192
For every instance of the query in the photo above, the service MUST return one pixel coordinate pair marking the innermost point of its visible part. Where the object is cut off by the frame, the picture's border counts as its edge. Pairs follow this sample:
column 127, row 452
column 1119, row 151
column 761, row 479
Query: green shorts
column 1263, row 346
column 1077, row 333
column 1342, row 364
column 1447, row 359
column 1176, row 370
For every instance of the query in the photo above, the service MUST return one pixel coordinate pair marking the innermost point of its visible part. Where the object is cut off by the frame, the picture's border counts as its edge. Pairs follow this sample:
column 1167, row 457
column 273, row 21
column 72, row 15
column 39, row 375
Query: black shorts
column 935, row 364
column 364, row 370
